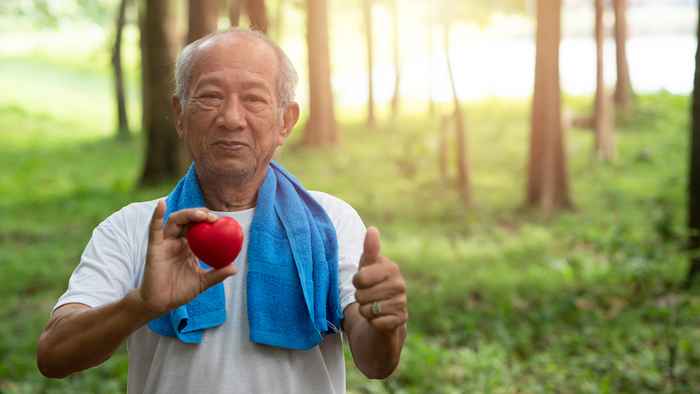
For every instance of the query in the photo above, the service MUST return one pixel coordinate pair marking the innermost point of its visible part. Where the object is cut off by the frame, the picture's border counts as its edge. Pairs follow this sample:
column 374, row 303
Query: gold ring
column 376, row 308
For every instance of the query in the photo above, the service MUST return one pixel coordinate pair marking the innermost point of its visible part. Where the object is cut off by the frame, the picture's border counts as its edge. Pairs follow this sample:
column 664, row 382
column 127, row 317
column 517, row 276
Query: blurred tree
column 369, row 38
column 623, row 87
column 234, row 12
column 694, row 175
column 123, row 132
column 548, row 186
column 158, row 51
column 602, row 121
column 203, row 18
column 321, row 128
column 256, row 11
column 396, row 42
column 463, row 184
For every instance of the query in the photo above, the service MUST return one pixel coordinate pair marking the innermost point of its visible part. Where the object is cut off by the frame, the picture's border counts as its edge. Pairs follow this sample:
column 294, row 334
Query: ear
column 289, row 119
column 177, row 110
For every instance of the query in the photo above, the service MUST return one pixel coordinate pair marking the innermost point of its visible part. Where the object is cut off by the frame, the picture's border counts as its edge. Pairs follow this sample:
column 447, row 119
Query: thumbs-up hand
column 381, row 289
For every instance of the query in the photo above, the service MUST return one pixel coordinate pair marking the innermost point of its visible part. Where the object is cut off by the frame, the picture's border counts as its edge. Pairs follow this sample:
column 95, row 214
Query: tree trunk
column 694, row 177
column 123, row 132
column 367, row 13
column 397, row 59
column 443, row 155
column 623, row 87
column 234, row 12
column 604, row 142
column 463, row 183
column 321, row 126
column 157, row 61
column 548, row 187
column 203, row 18
column 257, row 13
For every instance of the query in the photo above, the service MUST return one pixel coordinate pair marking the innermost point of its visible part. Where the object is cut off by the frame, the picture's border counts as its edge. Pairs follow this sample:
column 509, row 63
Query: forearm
column 87, row 338
column 376, row 354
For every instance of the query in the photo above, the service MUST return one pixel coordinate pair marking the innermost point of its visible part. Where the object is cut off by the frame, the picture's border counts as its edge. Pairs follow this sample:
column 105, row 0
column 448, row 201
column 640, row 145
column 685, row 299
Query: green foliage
column 501, row 299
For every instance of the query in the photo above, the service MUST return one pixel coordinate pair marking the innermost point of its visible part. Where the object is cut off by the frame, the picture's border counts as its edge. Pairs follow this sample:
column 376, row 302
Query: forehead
column 236, row 56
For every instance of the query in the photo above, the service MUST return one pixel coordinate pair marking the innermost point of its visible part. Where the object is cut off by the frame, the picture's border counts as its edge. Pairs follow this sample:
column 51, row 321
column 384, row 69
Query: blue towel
column 292, row 279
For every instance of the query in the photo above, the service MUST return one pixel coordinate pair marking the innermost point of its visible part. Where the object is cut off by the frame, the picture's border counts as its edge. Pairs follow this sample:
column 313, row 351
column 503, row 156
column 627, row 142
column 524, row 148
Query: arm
column 74, row 328
column 79, row 337
column 376, row 337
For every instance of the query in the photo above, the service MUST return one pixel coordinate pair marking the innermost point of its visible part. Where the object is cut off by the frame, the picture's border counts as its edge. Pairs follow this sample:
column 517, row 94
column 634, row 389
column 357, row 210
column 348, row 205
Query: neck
column 230, row 193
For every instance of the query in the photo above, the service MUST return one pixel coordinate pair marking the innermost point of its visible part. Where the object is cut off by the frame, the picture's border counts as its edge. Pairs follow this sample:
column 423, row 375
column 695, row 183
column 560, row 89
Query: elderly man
column 271, row 322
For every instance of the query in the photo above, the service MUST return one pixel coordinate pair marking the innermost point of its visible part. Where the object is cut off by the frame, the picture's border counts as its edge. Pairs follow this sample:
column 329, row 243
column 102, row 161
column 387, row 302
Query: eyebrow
column 245, row 84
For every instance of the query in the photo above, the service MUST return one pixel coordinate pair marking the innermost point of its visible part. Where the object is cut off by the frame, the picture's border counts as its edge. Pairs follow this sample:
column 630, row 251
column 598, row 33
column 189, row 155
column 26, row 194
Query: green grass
column 502, row 299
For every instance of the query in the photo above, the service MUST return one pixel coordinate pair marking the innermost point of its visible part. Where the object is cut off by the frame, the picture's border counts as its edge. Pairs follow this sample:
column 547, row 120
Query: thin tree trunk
column 123, row 132
column 203, row 18
column 257, row 13
column 321, row 126
column 234, row 12
column 548, row 187
column 463, row 182
column 604, row 142
column 397, row 59
column 623, row 87
column 157, row 61
column 443, row 155
column 367, row 13
column 694, row 176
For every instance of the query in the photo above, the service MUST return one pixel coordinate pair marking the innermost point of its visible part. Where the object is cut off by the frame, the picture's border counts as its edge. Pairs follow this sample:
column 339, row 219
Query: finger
column 382, row 291
column 370, row 251
column 178, row 221
column 392, row 306
column 215, row 276
column 156, row 225
column 388, row 323
column 374, row 274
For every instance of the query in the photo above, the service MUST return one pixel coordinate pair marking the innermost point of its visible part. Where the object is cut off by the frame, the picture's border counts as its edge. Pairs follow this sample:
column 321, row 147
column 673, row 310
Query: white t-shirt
column 226, row 361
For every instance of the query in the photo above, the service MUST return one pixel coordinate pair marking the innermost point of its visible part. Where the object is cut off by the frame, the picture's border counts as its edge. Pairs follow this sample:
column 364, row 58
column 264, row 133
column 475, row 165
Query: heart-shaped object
column 218, row 243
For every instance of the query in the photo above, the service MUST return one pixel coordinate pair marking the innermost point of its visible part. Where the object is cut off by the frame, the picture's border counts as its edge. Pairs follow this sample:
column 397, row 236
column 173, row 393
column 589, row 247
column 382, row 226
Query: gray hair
column 287, row 77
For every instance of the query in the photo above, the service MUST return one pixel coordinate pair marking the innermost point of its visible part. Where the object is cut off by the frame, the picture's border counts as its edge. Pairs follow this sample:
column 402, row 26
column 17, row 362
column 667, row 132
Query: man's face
column 232, row 123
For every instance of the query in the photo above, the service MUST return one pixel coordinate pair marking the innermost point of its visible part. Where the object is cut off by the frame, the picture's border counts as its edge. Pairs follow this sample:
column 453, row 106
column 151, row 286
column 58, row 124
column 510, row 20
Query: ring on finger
column 376, row 308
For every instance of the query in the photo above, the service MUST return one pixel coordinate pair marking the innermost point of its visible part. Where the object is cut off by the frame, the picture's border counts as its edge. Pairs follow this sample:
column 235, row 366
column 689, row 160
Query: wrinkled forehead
column 231, row 52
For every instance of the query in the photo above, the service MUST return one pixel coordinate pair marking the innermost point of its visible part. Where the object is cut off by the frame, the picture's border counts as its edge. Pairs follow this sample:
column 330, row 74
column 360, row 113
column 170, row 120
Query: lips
column 231, row 146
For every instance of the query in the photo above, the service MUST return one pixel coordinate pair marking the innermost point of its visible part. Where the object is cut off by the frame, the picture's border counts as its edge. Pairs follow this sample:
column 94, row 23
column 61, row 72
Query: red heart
column 217, row 244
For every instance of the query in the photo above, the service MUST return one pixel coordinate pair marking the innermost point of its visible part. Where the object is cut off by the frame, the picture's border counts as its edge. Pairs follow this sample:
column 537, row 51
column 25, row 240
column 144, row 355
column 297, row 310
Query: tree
column 157, row 19
column 463, row 178
column 367, row 14
column 623, row 87
column 203, row 18
column 604, row 139
column 256, row 11
column 123, row 132
column 394, row 8
column 548, row 187
column 694, row 176
column 321, row 127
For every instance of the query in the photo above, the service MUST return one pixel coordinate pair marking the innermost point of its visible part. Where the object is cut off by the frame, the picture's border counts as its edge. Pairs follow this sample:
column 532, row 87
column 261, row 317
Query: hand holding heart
column 381, row 289
column 172, row 276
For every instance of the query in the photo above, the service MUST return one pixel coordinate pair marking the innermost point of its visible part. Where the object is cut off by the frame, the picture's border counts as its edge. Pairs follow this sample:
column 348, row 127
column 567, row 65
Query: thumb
column 156, row 226
column 370, row 253
column 215, row 276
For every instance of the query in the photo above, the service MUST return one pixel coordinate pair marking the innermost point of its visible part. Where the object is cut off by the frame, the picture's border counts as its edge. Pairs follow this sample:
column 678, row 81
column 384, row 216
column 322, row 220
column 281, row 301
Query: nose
column 232, row 114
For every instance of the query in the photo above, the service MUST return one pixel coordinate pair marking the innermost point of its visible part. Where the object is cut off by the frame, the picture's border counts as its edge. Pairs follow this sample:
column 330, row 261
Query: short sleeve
column 350, row 232
column 104, row 274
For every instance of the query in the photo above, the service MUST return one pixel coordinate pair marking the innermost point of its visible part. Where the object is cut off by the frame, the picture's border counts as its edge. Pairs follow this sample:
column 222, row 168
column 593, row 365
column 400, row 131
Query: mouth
column 230, row 145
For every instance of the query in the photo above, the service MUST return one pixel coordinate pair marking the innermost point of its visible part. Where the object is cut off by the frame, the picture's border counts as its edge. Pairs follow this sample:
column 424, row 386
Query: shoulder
column 131, row 219
column 342, row 214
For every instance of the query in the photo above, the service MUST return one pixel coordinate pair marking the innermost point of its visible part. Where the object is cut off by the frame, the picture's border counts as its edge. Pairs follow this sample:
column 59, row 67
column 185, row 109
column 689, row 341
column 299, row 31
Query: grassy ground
column 502, row 300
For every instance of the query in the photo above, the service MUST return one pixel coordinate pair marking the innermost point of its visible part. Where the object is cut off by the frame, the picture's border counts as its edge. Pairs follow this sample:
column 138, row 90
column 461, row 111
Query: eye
column 254, row 99
column 209, row 99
